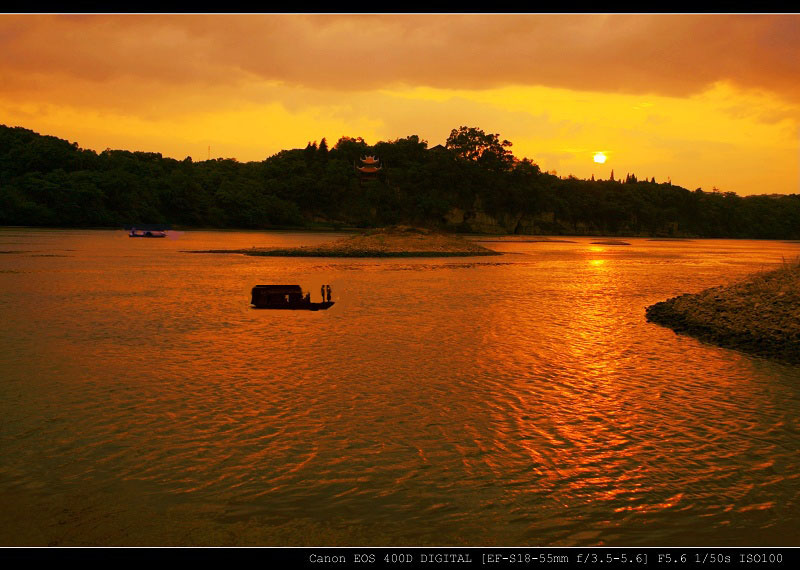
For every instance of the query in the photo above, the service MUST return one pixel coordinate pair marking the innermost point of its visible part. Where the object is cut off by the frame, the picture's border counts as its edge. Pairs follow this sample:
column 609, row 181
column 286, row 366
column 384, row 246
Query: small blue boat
column 147, row 233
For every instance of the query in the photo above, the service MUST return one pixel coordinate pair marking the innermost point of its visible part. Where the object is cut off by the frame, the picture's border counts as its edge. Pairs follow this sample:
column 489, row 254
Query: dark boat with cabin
column 285, row 297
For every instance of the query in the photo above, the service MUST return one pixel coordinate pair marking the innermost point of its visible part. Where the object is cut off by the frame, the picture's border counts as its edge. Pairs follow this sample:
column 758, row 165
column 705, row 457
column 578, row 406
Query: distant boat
column 147, row 233
column 289, row 297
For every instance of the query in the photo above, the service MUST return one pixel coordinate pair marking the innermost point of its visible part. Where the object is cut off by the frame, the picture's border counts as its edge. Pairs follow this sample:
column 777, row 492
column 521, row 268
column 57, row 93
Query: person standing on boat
column 322, row 292
column 328, row 289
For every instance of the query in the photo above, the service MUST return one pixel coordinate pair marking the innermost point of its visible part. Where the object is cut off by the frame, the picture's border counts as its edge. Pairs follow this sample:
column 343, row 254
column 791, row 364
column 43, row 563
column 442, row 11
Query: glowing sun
column 599, row 157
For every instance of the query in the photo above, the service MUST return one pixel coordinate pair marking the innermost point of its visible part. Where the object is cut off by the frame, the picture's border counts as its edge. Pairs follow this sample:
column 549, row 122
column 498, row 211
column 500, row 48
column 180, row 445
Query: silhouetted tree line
column 46, row 181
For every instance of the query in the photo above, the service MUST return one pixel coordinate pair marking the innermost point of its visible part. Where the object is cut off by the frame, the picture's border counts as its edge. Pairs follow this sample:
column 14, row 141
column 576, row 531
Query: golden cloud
column 663, row 54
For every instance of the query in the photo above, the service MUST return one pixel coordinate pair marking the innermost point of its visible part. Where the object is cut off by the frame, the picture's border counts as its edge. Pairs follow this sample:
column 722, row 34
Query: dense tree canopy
column 471, row 143
column 46, row 181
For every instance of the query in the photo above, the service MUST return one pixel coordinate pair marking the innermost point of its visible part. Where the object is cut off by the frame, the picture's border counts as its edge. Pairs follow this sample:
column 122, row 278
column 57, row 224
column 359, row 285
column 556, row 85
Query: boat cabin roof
column 279, row 289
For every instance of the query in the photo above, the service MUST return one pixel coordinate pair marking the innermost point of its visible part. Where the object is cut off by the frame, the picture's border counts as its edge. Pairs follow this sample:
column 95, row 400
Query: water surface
column 513, row 400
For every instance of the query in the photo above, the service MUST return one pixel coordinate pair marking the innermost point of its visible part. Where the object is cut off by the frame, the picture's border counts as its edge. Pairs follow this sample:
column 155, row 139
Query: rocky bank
column 760, row 315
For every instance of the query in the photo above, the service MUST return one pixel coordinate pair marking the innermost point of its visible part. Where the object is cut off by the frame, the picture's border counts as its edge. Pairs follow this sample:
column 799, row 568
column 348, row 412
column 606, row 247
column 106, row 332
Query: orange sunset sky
column 706, row 100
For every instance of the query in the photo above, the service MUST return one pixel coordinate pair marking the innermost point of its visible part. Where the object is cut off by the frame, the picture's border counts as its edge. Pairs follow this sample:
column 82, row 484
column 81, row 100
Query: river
column 512, row 400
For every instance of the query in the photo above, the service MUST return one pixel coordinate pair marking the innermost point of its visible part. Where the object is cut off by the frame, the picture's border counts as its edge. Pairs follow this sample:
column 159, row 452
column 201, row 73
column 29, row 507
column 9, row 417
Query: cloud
column 673, row 55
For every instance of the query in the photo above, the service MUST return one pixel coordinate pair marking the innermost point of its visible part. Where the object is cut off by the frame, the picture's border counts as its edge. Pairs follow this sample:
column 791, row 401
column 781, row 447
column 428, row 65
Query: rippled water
column 513, row 400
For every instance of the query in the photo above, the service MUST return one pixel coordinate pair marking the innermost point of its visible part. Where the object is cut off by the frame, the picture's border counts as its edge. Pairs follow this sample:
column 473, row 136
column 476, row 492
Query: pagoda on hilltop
column 370, row 166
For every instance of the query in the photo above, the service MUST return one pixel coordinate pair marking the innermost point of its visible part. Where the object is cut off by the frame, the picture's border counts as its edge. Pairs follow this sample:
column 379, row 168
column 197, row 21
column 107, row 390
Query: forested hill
column 473, row 184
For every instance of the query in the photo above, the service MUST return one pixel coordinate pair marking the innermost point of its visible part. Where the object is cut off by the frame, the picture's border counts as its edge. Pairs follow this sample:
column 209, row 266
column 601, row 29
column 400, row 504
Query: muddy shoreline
column 759, row 316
